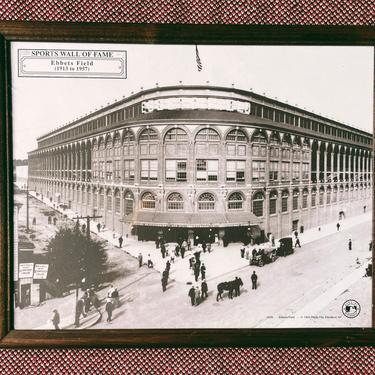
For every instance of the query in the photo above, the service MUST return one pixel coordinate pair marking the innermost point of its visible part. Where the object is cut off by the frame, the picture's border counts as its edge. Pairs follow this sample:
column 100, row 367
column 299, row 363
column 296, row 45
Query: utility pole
column 27, row 208
column 87, row 218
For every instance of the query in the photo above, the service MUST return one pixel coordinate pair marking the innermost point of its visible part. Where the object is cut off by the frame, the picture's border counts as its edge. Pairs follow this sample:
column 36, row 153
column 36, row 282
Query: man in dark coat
column 163, row 250
column 203, row 271
column 297, row 242
column 242, row 252
column 80, row 305
column 350, row 244
column 177, row 250
column 182, row 252
column 196, row 271
column 120, row 240
column 98, row 226
column 168, row 265
column 109, row 309
column 55, row 319
column 140, row 260
column 204, row 289
column 191, row 294
column 254, row 279
column 164, row 282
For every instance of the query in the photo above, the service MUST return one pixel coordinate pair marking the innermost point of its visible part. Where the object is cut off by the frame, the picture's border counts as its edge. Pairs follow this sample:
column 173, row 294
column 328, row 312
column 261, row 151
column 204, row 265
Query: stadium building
column 205, row 161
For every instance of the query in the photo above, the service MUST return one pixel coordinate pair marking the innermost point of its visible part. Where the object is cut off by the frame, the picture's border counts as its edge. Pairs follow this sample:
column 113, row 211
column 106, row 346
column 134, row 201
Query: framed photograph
column 186, row 186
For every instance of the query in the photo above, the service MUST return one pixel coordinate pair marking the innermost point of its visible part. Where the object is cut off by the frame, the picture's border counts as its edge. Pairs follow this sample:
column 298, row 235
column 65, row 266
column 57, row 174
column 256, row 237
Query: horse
column 230, row 286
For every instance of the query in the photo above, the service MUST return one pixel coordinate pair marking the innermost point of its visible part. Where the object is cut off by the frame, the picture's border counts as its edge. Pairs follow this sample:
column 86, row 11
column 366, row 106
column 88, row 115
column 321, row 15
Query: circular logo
column 351, row 308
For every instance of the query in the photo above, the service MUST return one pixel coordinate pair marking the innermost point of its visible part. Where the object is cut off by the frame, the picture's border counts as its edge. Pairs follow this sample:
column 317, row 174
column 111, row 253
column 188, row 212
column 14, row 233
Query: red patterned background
column 191, row 361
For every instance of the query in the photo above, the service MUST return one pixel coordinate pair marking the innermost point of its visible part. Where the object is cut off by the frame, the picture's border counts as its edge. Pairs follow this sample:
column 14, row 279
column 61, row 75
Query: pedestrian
column 297, row 242
column 295, row 234
column 140, row 260
column 196, row 272
column 183, row 251
column 94, row 300
column 209, row 247
column 364, row 209
column 197, row 255
column 55, row 319
column 197, row 295
column 83, row 228
column 116, row 298
column 242, row 250
column 150, row 263
column 191, row 294
column 204, row 246
column 109, row 309
column 370, row 246
column 254, row 279
column 177, row 250
column 110, row 291
column 80, row 305
column 237, row 285
column 350, row 244
column 187, row 244
column 203, row 271
column 168, row 265
column 120, row 240
column 87, row 302
column 164, row 282
column 204, row 289
column 338, row 226
column 163, row 250
column 191, row 262
column 98, row 226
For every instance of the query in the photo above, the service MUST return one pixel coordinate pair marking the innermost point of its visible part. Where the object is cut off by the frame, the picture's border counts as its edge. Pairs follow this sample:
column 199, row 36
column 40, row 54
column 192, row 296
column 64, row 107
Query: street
column 305, row 289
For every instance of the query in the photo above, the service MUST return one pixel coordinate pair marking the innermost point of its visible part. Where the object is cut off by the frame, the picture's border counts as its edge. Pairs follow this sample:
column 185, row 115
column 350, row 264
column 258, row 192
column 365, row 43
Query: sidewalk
column 219, row 261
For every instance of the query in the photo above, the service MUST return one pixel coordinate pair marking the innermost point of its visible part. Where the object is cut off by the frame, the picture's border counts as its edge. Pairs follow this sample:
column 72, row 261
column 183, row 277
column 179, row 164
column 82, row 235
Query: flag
column 198, row 59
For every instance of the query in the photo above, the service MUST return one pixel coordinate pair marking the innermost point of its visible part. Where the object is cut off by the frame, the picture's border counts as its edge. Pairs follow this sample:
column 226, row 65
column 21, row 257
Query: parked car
column 286, row 246
column 264, row 255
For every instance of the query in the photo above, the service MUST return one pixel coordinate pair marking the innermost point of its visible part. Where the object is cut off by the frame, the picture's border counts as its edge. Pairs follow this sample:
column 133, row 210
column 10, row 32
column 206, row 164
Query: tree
column 74, row 257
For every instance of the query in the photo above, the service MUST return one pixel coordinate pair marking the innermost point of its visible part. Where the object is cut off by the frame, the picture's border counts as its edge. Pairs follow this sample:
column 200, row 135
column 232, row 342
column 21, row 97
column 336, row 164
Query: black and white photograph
column 192, row 186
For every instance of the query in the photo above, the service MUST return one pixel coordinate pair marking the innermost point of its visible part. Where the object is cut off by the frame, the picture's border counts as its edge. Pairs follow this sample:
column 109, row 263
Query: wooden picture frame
column 148, row 34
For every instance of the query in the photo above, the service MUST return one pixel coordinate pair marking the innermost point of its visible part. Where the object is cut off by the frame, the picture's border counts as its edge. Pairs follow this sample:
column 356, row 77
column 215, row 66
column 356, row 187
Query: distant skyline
column 336, row 82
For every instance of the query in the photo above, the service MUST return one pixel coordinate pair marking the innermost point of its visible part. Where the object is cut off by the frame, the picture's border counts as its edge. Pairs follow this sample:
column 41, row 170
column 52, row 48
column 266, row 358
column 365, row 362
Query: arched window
column 295, row 199
column 275, row 138
column 206, row 202
column 259, row 136
column 313, row 197
column 109, row 200
column 148, row 200
column 129, row 203
column 258, row 200
column 305, row 194
column 284, row 201
column 273, row 202
column 148, row 135
column 235, row 201
column 236, row 135
column 321, row 196
column 117, row 201
column 175, row 202
column 101, row 199
column 117, row 144
column 207, row 135
column 236, row 143
column 176, row 135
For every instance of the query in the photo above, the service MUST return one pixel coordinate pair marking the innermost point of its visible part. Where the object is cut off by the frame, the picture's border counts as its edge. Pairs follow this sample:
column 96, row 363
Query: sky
column 336, row 82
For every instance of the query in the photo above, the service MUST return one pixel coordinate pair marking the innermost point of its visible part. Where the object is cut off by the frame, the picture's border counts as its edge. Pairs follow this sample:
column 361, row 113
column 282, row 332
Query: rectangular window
column 285, row 171
column 101, row 170
column 305, row 171
column 284, row 204
column 273, row 206
column 149, row 170
column 129, row 170
column 236, row 170
column 274, row 152
column 296, row 171
column 109, row 202
column 207, row 170
column 175, row 170
column 259, row 170
column 304, row 200
column 116, row 170
column 109, row 172
column 274, row 170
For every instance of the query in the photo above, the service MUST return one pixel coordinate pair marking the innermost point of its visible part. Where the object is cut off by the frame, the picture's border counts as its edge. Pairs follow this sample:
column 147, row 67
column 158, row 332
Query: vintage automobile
column 286, row 246
column 265, row 254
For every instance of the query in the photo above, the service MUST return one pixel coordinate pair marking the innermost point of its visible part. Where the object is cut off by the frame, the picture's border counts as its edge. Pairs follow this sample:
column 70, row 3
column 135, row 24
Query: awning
column 193, row 220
